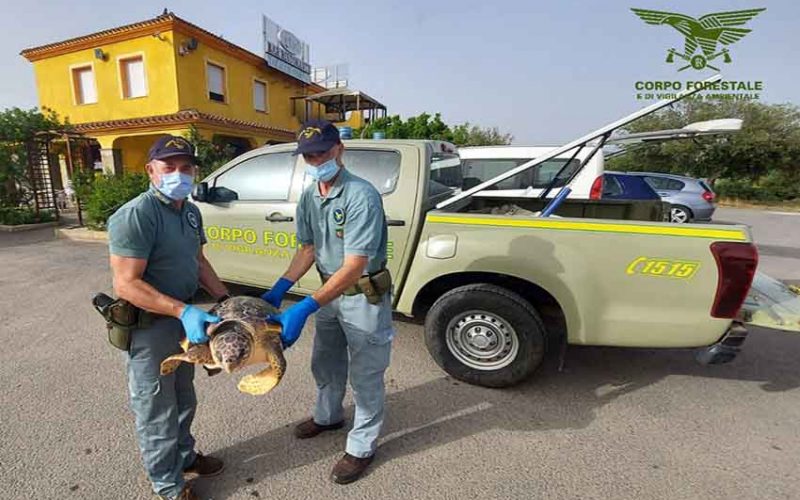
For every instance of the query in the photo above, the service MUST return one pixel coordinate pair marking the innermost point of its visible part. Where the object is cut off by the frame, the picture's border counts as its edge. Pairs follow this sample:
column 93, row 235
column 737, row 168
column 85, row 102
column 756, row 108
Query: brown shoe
column 204, row 466
column 309, row 428
column 185, row 494
column 350, row 468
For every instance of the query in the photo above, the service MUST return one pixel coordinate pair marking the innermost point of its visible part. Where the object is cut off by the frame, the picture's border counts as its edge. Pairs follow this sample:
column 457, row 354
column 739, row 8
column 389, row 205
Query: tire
column 680, row 214
column 485, row 335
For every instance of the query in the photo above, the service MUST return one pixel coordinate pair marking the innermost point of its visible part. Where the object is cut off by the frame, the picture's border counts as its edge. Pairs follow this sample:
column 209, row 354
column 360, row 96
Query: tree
column 466, row 135
column 426, row 126
column 210, row 155
column 767, row 145
column 17, row 126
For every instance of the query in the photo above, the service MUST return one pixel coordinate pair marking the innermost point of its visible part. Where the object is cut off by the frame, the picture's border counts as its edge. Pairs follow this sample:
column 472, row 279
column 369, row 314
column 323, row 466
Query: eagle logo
column 705, row 33
column 309, row 132
column 177, row 143
column 338, row 216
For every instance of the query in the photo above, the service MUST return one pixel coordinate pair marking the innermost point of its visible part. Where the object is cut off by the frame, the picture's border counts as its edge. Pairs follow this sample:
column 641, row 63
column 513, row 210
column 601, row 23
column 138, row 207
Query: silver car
column 691, row 199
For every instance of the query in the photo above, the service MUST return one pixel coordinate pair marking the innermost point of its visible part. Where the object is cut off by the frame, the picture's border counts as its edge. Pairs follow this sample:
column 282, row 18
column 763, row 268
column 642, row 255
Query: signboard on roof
column 285, row 52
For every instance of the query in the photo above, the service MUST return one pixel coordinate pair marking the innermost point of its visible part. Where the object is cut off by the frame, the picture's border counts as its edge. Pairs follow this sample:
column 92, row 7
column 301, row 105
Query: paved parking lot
column 619, row 423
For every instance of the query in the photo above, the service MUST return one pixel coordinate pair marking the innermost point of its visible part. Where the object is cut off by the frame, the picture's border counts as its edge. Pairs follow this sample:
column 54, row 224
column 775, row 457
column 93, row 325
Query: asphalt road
column 619, row 423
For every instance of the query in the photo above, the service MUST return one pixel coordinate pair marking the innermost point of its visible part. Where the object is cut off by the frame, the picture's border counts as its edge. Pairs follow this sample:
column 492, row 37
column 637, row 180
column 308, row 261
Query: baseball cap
column 316, row 136
column 170, row 145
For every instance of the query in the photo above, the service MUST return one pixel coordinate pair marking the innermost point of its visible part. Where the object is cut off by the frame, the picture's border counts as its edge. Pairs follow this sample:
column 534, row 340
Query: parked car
column 621, row 186
column 691, row 199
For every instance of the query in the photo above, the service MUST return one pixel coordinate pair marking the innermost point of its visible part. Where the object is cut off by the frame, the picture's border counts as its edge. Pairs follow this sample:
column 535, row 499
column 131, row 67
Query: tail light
column 736, row 263
column 708, row 196
column 597, row 189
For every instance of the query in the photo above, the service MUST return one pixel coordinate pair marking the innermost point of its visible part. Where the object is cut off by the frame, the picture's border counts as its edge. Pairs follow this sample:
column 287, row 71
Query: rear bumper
column 725, row 349
column 703, row 213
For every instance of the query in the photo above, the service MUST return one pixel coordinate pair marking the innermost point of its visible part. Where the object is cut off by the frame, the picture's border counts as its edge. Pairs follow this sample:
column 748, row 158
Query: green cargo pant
column 164, row 406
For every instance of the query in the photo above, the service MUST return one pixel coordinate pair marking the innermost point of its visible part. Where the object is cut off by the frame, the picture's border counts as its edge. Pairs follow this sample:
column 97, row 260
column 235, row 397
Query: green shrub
column 14, row 216
column 741, row 189
column 773, row 187
column 108, row 193
column 779, row 186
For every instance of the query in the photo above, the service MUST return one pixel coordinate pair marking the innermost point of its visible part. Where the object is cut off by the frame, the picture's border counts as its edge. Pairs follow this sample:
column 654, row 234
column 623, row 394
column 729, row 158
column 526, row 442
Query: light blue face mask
column 324, row 172
column 176, row 186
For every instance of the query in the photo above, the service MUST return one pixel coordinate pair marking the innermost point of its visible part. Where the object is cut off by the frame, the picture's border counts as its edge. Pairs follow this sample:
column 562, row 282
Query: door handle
column 279, row 217
column 395, row 222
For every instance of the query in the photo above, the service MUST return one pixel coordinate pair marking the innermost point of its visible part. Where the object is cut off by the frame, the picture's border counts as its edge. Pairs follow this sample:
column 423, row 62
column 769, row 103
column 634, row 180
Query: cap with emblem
column 317, row 136
column 170, row 145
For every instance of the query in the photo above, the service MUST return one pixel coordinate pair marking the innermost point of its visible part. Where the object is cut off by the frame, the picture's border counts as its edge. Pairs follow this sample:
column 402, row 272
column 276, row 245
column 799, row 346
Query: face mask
column 176, row 186
column 324, row 172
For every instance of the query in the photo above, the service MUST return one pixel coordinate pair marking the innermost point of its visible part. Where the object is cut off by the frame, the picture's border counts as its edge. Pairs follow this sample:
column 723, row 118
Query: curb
column 81, row 234
column 26, row 227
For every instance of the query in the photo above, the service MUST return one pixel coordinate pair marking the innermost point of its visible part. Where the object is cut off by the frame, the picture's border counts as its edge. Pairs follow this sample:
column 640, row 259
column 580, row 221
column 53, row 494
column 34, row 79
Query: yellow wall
column 134, row 150
column 54, row 81
column 239, row 74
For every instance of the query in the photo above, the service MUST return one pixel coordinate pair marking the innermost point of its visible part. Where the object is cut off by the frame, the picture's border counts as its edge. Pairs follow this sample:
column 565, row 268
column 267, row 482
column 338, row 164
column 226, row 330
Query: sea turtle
column 241, row 339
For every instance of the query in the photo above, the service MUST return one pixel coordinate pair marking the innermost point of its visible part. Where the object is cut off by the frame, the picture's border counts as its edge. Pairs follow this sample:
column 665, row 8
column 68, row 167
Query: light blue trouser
column 352, row 332
column 164, row 406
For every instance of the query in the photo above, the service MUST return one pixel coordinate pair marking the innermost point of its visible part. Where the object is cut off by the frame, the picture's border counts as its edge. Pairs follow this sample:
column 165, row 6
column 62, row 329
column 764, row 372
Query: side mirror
column 222, row 195
column 200, row 192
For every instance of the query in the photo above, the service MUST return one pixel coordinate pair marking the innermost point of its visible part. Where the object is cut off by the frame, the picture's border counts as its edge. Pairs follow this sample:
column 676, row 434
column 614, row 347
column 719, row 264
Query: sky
column 547, row 72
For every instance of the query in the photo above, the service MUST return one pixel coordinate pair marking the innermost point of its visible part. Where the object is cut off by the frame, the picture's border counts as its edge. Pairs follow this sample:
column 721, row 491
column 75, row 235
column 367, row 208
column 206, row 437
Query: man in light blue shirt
column 341, row 226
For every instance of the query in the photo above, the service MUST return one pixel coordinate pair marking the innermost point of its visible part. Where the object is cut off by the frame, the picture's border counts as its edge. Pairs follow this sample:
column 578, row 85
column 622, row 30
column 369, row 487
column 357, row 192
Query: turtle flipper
column 261, row 382
column 266, row 380
column 199, row 354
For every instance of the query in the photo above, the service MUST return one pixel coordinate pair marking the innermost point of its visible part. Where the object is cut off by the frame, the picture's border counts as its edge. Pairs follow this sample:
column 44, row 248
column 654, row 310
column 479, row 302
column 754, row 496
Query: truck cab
column 249, row 204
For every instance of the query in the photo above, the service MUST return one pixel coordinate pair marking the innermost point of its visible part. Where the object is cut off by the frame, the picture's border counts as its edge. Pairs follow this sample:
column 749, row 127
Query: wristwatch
column 223, row 298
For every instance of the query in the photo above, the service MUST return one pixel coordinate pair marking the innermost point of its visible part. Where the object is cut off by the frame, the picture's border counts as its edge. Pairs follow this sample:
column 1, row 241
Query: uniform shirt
column 349, row 221
column 150, row 227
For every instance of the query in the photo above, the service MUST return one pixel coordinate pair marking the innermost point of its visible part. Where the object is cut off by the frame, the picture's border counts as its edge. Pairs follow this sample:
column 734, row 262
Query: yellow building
column 126, row 86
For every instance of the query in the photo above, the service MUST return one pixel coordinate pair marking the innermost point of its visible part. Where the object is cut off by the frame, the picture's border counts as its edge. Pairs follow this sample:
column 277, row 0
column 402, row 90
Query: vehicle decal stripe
column 598, row 227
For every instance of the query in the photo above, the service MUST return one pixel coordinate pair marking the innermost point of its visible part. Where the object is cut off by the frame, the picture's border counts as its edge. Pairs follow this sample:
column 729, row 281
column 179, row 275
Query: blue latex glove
column 293, row 319
column 278, row 290
column 194, row 322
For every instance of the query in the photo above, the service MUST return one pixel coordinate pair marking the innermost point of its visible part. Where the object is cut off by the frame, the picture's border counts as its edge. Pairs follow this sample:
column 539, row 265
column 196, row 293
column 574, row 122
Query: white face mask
column 324, row 172
column 176, row 186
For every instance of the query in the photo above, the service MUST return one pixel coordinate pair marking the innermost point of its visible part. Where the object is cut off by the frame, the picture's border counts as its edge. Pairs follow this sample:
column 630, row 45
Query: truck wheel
column 485, row 335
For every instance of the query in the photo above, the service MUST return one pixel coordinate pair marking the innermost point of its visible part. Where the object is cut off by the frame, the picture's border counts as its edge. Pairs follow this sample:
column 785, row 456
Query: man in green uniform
column 341, row 226
column 155, row 242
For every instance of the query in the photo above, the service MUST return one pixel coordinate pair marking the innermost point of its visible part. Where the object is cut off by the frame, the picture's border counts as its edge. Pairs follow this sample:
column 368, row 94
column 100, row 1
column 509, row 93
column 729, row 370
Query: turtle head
column 231, row 346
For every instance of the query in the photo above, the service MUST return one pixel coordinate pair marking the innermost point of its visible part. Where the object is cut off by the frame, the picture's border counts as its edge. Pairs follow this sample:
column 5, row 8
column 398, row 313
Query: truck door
column 251, row 231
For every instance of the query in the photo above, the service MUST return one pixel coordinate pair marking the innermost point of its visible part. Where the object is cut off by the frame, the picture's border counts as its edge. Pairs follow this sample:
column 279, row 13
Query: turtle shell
column 243, row 307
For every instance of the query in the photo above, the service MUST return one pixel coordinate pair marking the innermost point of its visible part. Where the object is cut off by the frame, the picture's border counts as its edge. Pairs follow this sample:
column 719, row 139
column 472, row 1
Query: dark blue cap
column 317, row 136
column 170, row 145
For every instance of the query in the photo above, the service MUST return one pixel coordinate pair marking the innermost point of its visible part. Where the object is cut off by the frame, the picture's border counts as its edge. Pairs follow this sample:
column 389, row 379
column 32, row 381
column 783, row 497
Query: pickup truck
column 494, row 283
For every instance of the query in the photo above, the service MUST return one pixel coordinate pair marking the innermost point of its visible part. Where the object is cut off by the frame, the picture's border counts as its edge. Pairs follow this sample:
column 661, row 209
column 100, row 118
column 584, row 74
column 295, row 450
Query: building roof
column 345, row 99
column 183, row 117
column 165, row 22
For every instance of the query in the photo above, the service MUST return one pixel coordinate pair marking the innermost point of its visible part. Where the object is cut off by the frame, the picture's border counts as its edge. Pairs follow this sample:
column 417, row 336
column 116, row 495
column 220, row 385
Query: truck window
column 446, row 170
column 260, row 178
column 380, row 168
column 540, row 177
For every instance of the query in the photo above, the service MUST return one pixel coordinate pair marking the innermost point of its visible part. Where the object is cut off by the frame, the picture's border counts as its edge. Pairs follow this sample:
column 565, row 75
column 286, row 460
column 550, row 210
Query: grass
column 786, row 206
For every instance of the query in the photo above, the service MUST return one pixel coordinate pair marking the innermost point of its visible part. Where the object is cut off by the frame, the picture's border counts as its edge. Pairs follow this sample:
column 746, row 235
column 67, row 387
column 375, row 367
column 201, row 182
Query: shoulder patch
column 192, row 218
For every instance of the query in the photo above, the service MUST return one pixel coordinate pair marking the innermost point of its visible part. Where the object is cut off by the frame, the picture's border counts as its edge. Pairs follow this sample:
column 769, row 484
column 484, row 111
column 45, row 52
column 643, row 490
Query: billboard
column 285, row 52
